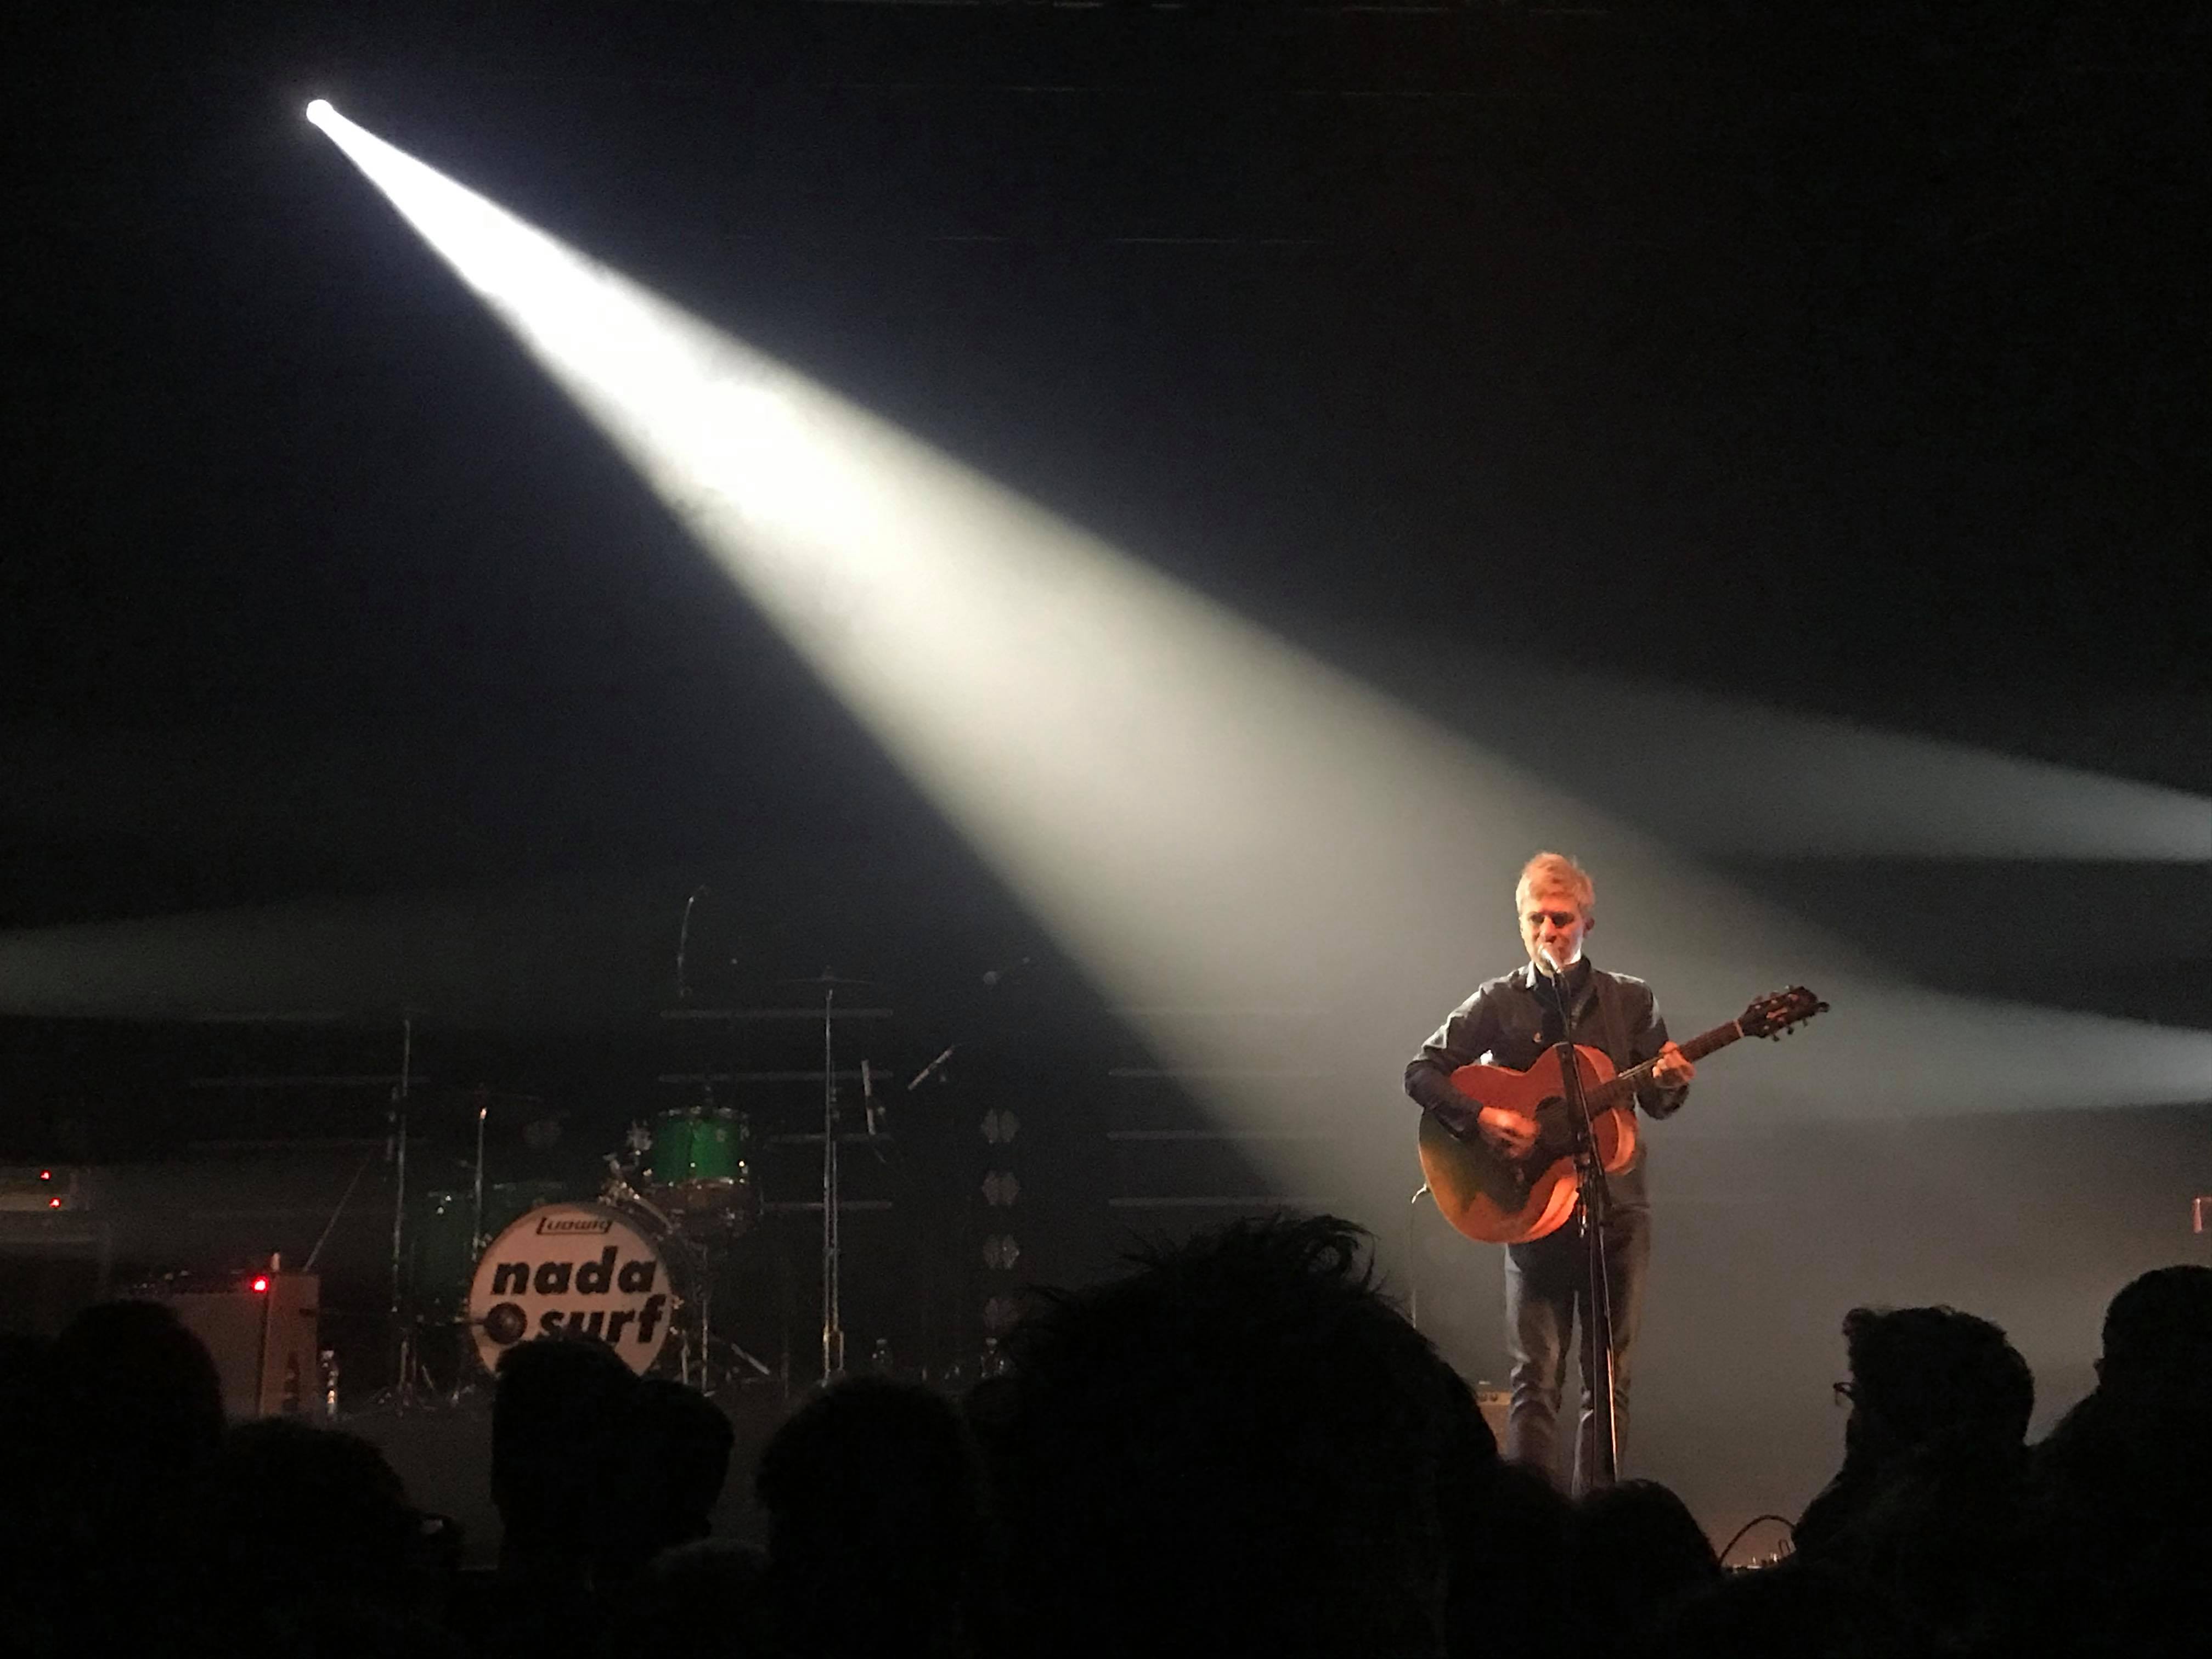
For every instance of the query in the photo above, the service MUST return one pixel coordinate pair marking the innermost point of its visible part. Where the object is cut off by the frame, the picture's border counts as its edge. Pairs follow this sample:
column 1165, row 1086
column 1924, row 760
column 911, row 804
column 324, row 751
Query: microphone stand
column 403, row 1309
column 1413, row 1256
column 1593, row 1213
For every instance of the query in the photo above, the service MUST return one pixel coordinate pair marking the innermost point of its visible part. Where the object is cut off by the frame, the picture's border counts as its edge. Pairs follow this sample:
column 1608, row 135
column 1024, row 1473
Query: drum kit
column 634, row 1264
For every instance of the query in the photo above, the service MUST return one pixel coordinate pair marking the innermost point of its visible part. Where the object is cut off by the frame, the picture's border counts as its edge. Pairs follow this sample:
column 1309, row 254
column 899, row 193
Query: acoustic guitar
column 1496, row 1199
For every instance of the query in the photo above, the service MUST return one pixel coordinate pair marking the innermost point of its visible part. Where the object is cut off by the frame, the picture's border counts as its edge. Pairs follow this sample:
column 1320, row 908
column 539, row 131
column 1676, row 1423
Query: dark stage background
column 1849, row 363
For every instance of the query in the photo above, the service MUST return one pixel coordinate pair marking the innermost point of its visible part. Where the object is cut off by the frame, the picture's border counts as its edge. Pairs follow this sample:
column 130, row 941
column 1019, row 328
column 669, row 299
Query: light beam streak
column 1198, row 812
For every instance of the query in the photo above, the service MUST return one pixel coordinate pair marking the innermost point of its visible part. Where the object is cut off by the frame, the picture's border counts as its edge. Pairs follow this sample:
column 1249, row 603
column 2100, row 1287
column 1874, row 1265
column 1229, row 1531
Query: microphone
column 1552, row 960
column 930, row 1070
column 992, row 977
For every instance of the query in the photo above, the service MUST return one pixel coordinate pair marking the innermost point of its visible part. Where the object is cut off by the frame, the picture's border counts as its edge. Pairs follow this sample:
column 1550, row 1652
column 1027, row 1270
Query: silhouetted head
column 2158, row 1335
column 669, row 1474
column 560, row 1414
column 1240, row 1447
column 1638, row 1549
column 1509, row 1534
column 313, row 1513
column 1933, row 1378
column 877, row 1536
column 126, row 1382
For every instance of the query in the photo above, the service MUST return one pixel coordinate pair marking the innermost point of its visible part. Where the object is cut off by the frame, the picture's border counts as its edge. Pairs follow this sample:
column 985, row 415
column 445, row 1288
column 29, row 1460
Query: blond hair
column 1556, row 870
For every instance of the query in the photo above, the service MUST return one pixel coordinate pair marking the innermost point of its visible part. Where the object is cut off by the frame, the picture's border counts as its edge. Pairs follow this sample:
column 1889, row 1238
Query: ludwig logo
column 572, row 1224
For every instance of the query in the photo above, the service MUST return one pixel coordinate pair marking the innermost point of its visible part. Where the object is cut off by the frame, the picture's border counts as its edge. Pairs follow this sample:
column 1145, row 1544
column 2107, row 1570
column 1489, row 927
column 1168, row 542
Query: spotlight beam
column 1198, row 811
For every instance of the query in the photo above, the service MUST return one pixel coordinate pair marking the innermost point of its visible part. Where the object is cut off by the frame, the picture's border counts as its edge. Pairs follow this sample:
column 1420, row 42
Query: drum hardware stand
column 833, row 1326
column 832, row 1323
column 408, row 1372
column 695, row 1356
column 339, row 1210
column 476, row 1239
column 707, row 1342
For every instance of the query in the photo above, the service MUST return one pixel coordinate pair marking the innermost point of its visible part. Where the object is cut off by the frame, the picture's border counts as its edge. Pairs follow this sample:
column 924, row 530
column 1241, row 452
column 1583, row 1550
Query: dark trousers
column 1546, row 1286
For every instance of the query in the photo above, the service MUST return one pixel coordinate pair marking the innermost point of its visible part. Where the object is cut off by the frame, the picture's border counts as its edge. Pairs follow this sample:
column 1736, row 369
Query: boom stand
column 1593, row 1212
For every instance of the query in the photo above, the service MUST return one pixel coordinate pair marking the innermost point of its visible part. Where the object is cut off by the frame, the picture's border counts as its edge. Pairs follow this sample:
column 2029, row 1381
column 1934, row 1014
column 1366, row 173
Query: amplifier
column 264, row 1330
column 41, row 1190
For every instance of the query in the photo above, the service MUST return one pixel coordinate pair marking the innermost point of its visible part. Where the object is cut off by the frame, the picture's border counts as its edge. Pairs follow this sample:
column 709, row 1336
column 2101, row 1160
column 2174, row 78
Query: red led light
column 259, row 1285
column 54, row 1204
column 45, row 1175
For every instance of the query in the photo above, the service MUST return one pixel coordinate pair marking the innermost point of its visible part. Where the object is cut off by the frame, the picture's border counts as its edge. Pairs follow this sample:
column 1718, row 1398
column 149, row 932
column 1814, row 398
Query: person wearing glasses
column 1510, row 1021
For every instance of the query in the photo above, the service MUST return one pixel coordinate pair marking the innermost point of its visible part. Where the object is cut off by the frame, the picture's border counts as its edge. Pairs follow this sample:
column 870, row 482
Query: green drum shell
column 442, row 1255
column 698, row 1146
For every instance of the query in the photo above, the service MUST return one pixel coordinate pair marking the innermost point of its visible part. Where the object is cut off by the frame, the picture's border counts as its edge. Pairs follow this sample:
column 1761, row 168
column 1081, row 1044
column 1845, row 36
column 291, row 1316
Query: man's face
column 1552, row 920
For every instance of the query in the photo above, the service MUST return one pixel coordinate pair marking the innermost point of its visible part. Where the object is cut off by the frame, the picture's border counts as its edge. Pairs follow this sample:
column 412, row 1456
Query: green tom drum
column 697, row 1168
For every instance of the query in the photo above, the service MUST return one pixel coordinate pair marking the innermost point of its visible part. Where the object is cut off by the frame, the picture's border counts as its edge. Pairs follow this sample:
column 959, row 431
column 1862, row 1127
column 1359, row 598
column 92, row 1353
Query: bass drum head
column 576, row 1268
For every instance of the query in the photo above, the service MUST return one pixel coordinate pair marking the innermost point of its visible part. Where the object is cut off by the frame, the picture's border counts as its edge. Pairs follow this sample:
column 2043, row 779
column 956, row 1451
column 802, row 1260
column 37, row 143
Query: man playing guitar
column 1510, row 1022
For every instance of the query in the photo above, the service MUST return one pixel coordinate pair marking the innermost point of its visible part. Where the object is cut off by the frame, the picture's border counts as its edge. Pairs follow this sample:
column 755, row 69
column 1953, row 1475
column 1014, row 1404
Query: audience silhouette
column 129, row 1420
column 1239, row 1445
column 319, row 1549
column 663, row 1486
column 2125, row 1481
column 1931, row 1502
column 1637, row 1550
column 878, row 1533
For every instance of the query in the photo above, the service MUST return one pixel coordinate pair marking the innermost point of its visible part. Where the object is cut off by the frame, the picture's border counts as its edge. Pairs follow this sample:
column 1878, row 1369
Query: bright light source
column 260, row 1286
column 320, row 113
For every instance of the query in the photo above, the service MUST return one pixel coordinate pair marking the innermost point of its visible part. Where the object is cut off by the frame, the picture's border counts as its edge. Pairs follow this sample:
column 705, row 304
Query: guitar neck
column 1617, row 1089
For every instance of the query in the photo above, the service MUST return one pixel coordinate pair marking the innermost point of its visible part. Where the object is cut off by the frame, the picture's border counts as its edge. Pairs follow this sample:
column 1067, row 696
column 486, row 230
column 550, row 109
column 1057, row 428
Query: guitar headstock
column 1780, row 1013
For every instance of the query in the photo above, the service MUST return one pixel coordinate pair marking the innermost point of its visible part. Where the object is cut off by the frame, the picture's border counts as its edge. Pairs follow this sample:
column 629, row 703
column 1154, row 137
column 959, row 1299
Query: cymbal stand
column 406, row 1366
column 833, row 1326
column 476, row 1239
column 710, row 1375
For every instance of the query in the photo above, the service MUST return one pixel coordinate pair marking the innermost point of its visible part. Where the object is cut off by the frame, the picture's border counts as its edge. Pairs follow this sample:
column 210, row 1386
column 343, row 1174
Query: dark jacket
column 1510, row 1020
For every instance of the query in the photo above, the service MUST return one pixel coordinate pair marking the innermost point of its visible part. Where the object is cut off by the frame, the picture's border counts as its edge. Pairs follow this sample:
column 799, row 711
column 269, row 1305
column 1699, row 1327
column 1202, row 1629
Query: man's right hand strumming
column 1507, row 1132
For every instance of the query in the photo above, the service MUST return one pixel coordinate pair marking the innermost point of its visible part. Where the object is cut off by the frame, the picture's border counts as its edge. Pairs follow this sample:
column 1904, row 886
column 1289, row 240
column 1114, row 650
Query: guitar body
column 1501, row 1200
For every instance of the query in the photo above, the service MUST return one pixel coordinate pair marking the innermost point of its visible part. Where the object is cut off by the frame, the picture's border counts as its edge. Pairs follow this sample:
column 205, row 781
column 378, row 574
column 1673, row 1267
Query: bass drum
column 583, row 1268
